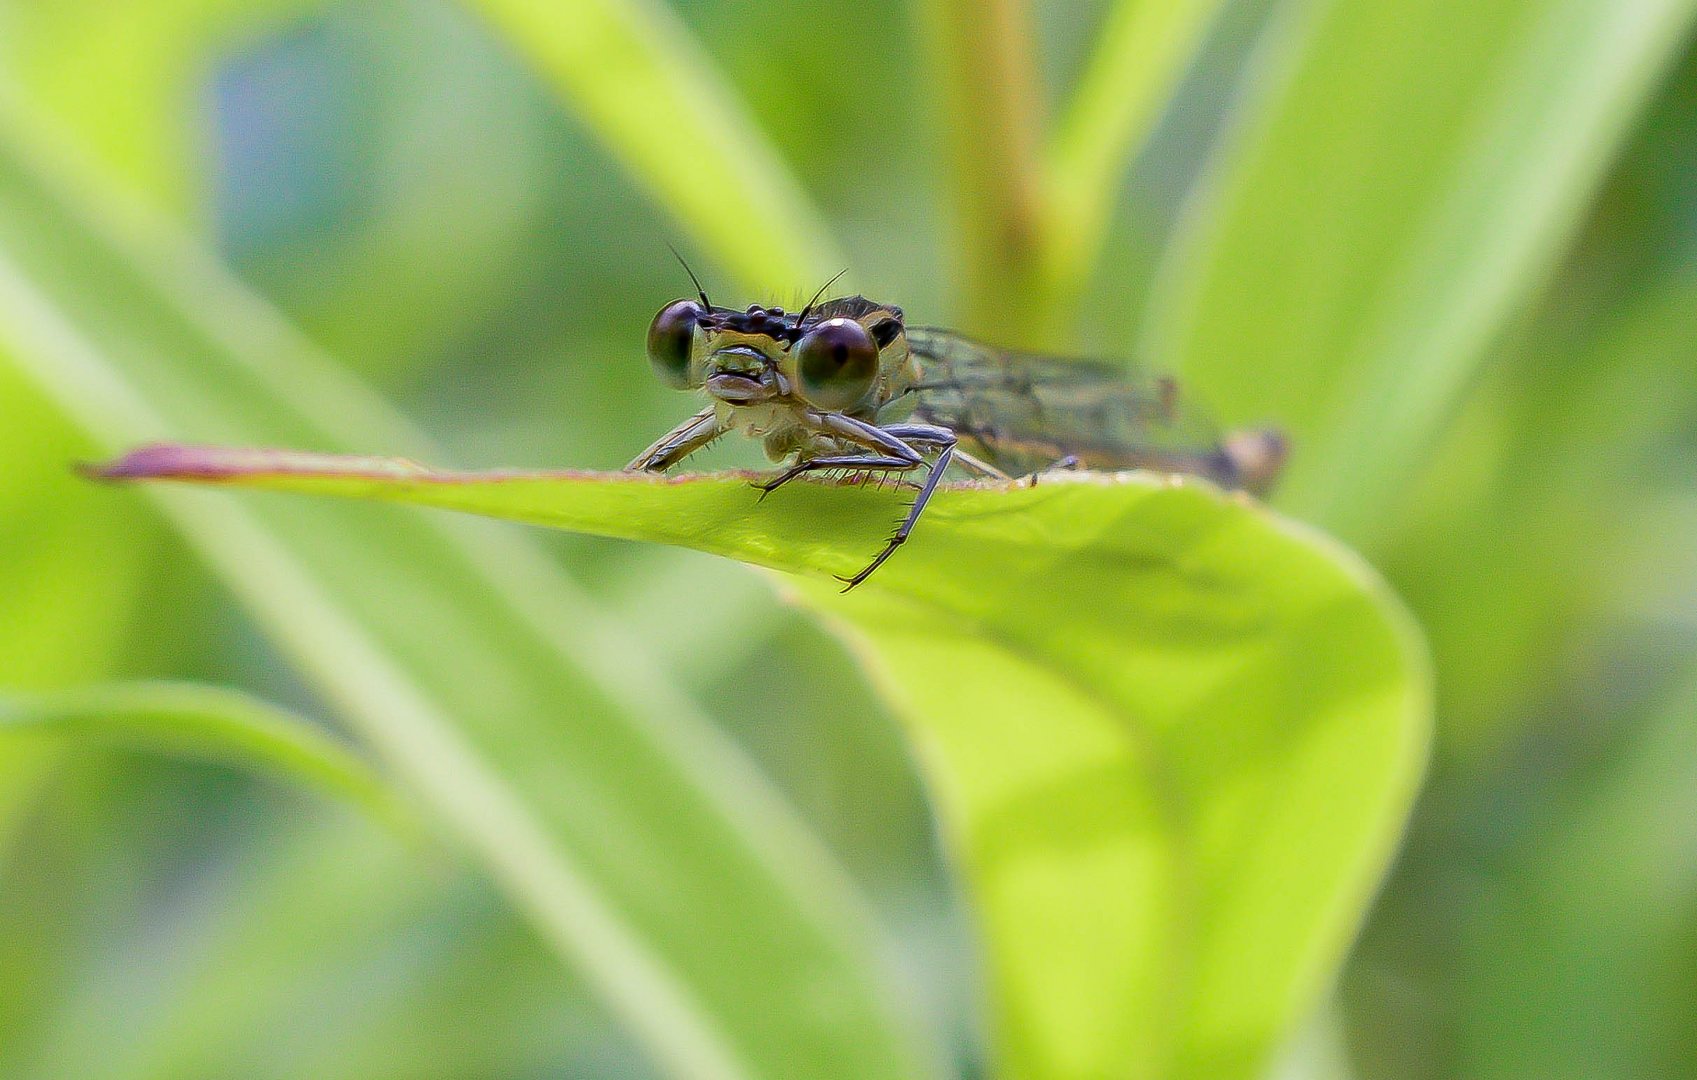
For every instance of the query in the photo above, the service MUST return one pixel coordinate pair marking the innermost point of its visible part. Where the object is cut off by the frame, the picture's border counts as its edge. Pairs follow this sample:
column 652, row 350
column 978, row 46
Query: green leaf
column 647, row 91
column 204, row 722
column 648, row 851
column 1173, row 736
column 1404, row 179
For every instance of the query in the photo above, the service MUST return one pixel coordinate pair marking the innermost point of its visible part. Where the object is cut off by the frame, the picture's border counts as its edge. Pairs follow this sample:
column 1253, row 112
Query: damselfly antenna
column 802, row 318
column 699, row 291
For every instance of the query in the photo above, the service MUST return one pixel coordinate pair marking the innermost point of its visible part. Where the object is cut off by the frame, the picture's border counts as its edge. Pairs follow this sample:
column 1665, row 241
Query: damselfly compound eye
column 836, row 364
column 671, row 341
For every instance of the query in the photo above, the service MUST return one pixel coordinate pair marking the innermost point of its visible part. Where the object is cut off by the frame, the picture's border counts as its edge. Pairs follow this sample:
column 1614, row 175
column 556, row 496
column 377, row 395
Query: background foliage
column 1451, row 246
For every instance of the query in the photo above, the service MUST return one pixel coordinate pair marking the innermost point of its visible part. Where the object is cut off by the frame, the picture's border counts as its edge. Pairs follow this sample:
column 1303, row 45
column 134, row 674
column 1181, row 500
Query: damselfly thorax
column 847, row 386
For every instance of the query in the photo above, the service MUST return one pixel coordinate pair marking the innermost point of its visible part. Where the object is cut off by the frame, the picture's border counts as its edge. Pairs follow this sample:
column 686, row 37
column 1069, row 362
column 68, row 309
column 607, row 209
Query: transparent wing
column 1025, row 412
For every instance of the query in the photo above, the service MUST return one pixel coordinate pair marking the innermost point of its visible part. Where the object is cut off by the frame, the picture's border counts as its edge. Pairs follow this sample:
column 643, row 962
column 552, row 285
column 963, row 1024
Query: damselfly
column 846, row 385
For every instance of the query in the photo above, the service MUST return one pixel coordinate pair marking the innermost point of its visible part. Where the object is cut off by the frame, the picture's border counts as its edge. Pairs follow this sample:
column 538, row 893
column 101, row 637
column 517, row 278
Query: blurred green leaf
column 1578, row 963
column 1404, row 178
column 1143, row 50
column 1320, row 1051
column 653, row 96
column 204, row 722
column 125, row 77
column 59, row 624
column 1174, row 770
column 95, row 849
column 386, row 200
column 1549, row 459
column 71, row 583
column 646, row 849
column 984, row 69
column 321, row 936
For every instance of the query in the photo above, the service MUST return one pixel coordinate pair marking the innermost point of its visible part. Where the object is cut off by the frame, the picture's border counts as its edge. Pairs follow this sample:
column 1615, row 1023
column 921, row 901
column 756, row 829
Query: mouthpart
column 737, row 388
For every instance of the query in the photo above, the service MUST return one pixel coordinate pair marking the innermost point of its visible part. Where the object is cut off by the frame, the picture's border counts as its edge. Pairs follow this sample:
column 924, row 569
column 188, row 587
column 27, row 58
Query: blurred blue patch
column 290, row 119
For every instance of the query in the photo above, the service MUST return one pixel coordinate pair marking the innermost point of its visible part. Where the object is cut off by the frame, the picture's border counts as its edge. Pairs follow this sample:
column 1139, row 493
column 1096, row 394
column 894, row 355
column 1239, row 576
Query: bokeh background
column 407, row 185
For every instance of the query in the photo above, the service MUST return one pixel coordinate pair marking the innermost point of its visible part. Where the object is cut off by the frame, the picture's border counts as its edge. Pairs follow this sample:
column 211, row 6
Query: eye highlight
column 836, row 364
column 671, row 342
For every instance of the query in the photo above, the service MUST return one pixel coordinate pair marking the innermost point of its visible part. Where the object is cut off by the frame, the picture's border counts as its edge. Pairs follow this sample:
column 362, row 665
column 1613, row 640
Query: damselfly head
column 829, row 355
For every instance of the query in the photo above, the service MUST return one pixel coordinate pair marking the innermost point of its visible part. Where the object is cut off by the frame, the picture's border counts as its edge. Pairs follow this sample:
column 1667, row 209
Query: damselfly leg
column 679, row 443
column 897, row 448
column 900, row 536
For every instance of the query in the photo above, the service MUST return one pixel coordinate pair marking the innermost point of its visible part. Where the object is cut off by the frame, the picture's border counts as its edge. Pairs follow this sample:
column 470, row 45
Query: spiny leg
column 938, row 437
column 892, row 448
column 679, row 443
column 982, row 468
column 882, row 449
column 906, row 527
column 851, row 462
column 921, row 435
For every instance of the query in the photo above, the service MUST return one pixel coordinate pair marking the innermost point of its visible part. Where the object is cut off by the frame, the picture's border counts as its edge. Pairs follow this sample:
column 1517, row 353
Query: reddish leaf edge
column 205, row 463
